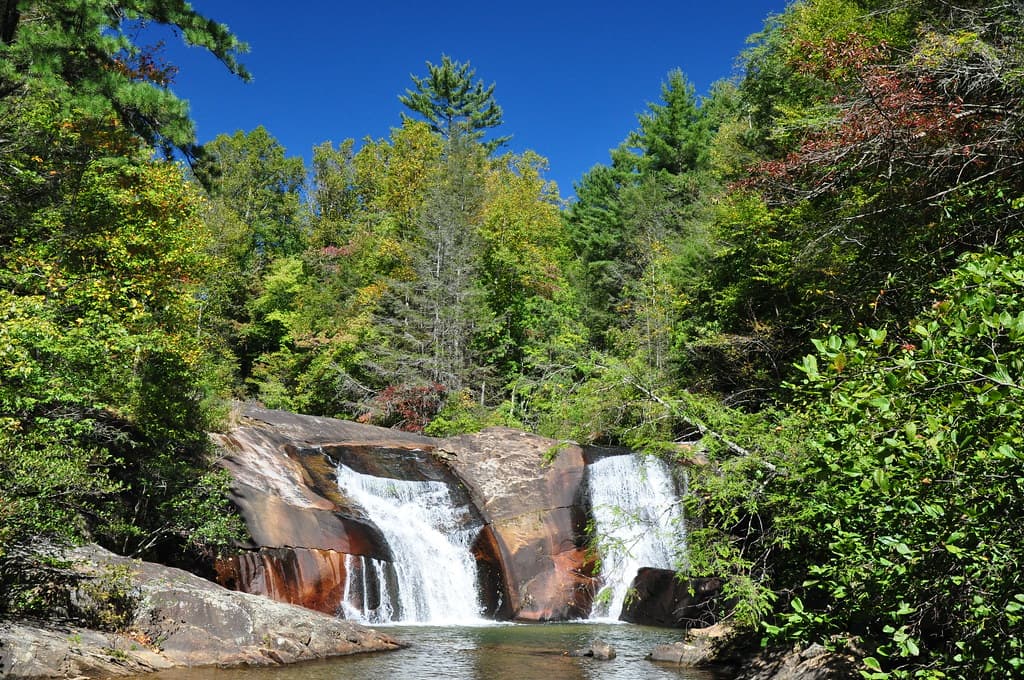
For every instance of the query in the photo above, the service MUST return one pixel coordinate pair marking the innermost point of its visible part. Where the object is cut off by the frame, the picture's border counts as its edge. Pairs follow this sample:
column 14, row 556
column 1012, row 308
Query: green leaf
column 809, row 366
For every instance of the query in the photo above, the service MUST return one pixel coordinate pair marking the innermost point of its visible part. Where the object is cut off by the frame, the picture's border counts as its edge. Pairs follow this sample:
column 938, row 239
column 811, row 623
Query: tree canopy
column 105, row 385
column 802, row 289
column 87, row 51
column 451, row 103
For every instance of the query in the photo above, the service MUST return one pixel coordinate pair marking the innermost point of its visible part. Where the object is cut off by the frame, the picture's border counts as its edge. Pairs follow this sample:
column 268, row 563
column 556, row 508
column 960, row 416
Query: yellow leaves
column 394, row 176
column 371, row 294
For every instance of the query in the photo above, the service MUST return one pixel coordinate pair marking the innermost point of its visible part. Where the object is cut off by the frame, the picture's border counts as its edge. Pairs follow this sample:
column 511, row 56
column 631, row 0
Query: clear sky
column 570, row 76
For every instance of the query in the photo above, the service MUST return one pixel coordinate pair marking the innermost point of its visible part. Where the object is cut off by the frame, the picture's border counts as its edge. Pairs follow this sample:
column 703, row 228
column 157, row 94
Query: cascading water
column 433, row 576
column 638, row 523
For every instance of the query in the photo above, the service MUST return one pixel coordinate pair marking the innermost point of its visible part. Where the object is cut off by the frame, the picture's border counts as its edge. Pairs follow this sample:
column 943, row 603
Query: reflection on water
column 493, row 652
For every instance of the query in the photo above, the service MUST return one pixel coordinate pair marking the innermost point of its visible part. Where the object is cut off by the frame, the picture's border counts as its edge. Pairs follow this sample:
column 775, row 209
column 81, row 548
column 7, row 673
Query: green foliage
column 866, row 500
column 643, row 217
column 879, row 510
column 919, row 444
column 673, row 136
column 459, row 415
column 451, row 103
column 85, row 52
column 109, row 599
column 102, row 385
column 871, row 179
column 254, row 216
column 428, row 262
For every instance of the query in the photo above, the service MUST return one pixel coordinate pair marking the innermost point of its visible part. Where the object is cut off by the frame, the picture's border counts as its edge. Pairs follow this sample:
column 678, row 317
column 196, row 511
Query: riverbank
column 177, row 619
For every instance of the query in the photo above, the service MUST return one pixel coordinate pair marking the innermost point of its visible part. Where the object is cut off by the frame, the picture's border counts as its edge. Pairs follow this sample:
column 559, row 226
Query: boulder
column 811, row 662
column 718, row 648
column 598, row 649
column 531, row 493
column 700, row 647
column 181, row 620
column 658, row 597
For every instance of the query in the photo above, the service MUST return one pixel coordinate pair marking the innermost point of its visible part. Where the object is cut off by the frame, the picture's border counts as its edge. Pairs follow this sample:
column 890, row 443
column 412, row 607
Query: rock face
column 530, row 552
column 301, row 525
column 536, row 513
column 181, row 620
column 660, row 598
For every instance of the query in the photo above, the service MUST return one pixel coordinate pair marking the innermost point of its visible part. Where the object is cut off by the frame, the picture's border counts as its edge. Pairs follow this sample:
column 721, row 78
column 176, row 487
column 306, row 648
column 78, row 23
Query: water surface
column 487, row 652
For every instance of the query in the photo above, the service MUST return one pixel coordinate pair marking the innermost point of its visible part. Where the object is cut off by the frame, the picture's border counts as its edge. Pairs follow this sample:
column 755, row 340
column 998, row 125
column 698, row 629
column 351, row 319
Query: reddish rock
column 531, row 552
column 312, row 578
column 300, row 524
column 534, row 501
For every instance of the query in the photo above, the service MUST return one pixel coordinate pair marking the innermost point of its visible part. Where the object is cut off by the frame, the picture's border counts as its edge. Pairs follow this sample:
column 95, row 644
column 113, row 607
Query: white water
column 638, row 523
column 433, row 576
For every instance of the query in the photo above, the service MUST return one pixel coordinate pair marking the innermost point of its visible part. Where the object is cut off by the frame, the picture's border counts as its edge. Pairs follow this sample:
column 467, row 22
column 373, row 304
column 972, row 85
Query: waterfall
column 637, row 521
column 433, row 576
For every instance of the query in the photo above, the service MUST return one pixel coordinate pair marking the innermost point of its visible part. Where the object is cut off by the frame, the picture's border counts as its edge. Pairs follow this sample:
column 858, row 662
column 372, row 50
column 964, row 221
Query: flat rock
column 182, row 620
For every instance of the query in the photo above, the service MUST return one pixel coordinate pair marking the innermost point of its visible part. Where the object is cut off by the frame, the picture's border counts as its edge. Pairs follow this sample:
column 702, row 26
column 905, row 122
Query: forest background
column 809, row 279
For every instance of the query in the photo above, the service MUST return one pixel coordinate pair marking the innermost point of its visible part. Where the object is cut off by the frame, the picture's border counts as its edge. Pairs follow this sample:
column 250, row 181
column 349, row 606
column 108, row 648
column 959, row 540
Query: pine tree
column 450, row 102
column 86, row 51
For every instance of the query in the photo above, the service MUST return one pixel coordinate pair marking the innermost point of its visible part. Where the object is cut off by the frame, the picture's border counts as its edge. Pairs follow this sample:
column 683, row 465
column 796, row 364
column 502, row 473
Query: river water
column 486, row 652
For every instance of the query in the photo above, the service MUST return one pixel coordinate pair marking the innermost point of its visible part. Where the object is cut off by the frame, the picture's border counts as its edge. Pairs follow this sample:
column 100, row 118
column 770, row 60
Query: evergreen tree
column 450, row 102
column 640, row 208
column 444, row 307
column 86, row 51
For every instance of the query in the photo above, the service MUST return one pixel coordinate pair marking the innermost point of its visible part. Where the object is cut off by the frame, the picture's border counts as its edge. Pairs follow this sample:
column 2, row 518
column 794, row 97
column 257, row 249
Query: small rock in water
column 599, row 649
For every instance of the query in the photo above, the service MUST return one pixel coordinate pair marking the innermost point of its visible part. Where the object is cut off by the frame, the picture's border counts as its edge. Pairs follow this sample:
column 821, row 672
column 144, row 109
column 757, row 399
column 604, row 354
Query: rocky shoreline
column 180, row 620
column 718, row 648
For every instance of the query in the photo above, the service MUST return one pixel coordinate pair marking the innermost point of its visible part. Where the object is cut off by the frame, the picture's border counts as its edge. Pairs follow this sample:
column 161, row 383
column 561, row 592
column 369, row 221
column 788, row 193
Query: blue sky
column 570, row 76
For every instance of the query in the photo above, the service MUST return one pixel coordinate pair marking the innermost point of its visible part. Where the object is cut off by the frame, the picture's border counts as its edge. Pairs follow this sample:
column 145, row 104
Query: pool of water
column 489, row 652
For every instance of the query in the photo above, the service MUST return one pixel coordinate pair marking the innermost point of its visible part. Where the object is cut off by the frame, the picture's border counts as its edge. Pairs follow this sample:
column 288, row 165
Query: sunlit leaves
column 921, row 443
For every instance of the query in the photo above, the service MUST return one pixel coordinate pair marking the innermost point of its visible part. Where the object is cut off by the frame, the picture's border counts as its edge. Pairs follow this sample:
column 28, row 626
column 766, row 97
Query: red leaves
column 887, row 119
column 406, row 407
column 147, row 65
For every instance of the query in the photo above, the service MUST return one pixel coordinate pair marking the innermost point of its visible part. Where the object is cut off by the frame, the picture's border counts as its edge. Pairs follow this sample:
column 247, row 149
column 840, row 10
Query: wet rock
column 181, row 620
column 301, row 525
column 534, row 504
column 531, row 552
column 307, row 577
column 700, row 647
column 659, row 598
column 598, row 649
